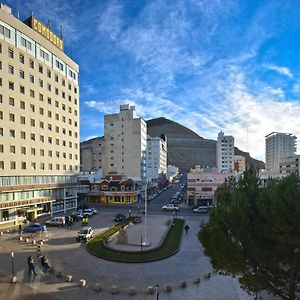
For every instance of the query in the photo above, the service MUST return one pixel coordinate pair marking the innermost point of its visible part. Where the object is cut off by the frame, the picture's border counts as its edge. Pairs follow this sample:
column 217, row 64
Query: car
column 201, row 209
column 85, row 234
column 120, row 217
column 170, row 207
column 77, row 215
column 175, row 201
column 56, row 221
column 32, row 228
column 94, row 211
column 88, row 212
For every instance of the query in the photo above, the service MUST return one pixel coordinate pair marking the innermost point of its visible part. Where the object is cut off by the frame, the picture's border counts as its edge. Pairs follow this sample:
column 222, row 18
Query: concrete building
column 39, row 121
column 239, row 163
column 201, row 186
column 92, row 154
column 156, row 157
column 125, row 144
column 279, row 145
column 225, row 153
column 290, row 164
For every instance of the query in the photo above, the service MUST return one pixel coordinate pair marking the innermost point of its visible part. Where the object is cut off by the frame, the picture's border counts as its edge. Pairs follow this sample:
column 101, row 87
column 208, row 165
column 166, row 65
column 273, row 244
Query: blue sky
column 210, row 65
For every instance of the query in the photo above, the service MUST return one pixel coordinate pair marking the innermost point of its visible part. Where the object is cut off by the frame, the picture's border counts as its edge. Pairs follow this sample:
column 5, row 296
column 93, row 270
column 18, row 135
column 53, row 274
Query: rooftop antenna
column 61, row 32
column 31, row 13
column 49, row 24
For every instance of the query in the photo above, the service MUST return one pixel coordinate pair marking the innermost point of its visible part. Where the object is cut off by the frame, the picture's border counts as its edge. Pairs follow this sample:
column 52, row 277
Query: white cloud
column 281, row 70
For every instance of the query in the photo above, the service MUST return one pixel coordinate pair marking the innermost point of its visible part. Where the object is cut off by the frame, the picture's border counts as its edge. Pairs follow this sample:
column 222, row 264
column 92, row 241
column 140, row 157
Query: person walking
column 45, row 264
column 31, row 266
column 186, row 228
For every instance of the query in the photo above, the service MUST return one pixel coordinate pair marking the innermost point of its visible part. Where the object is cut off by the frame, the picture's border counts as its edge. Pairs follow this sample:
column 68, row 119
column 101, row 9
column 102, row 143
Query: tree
column 254, row 234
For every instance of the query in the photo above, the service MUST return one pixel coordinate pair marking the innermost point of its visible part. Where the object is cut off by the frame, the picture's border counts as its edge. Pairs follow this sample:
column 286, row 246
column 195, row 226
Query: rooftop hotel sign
column 45, row 31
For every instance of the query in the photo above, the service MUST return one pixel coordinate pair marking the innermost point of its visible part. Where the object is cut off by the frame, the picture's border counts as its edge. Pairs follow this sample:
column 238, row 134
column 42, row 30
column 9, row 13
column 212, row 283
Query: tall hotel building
column 225, row 153
column 279, row 145
column 125, row 144
column 39, row 121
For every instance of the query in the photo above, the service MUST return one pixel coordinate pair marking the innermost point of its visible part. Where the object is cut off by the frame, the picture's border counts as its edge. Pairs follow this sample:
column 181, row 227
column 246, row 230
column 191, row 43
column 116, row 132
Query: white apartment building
column 225, row 153
column 156, row 157
column 279, row 145
column 39, row 121
column 92, row 154
column 125, row 144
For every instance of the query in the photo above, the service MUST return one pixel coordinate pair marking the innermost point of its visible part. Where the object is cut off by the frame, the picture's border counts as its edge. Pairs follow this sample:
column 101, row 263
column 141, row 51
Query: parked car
column 94, row 211
column 175, row 201
column 34, row 228
column 201, row 209
column 88, row 212
column 120, row 217
column 56, row 221
column 170, row 207
column 76, row 215
column 85, row 234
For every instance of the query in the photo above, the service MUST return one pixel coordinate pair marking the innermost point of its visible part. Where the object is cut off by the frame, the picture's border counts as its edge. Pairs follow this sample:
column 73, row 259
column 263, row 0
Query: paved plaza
column 67, row 256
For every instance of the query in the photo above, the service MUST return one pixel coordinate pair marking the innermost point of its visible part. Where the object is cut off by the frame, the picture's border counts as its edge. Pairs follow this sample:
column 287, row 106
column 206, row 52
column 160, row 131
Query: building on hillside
column 203, row 169
column 92, row 154
column 239, row 163
column 156, row 157
column 125, row 144
column 115, row 189
column 290, row 164
column 39, row 121
column 279, row 145
column 225, row 153
column 201, row 186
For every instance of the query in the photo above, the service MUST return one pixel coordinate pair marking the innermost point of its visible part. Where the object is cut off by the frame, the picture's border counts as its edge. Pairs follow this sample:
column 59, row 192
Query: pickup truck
column 171, row 207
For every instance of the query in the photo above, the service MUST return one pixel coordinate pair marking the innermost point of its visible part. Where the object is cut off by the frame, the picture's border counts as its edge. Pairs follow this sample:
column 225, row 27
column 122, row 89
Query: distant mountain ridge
column 187, row 149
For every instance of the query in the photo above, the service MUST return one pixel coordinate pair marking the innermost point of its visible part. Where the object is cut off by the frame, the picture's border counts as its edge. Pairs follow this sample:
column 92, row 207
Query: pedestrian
column 86, row 221
column 68, row 222
column 31, row 266
column 20, row 229
column 82, row 221
column 45, row 264
column 186, row 228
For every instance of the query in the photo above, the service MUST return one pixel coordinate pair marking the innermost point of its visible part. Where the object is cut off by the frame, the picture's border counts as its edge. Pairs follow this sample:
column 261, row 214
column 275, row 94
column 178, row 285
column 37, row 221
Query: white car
column 201, row 209
column 171, row 207
column 85, row 234
column 56, row 221
column 88, row 212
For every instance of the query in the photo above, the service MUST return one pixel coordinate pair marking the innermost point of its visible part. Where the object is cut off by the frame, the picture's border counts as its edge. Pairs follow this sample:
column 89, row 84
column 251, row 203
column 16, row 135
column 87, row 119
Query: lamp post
column 13, row 277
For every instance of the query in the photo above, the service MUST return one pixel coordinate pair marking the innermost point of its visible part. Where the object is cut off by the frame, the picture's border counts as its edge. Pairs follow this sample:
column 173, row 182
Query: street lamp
column 13, row 277
column 157, row 291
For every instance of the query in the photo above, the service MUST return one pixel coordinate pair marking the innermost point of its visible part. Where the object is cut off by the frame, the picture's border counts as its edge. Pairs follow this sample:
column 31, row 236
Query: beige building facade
column 239, row 163
column 290, row 164
column 39, row 121
column 125, row 144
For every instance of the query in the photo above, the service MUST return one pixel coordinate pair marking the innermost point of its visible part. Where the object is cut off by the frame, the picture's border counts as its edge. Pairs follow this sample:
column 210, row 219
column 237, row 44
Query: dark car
column 120, row 217
column 34, row 228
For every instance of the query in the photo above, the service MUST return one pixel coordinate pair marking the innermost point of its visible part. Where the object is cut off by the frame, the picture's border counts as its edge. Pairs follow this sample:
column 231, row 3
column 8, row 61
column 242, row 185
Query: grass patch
column 169, row 247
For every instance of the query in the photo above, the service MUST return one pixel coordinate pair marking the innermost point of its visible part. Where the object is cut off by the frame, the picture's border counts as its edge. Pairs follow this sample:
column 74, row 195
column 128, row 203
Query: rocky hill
column 187, row 149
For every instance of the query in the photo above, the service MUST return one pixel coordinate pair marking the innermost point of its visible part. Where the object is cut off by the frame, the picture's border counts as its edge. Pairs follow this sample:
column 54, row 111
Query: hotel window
column 42, row 166
column 0, row 81
column 23, row 150
column 75, row 123
column 75, row 112
column 22, row 74
column 21, row 59
column 70, row 155
column 41, row 97
column 12, row 149
column 26, row 43
column 32, row 151
column 1, row 164
column 42, row 152
column 32, row 108
column 70, row 121
column 50, row 166
column 32, row 93
column 57, row 116
column 11, row 117
column 50, row 153
column 56, row 91
column 49, row 114
column 0, row 65
column 56, row 104
column 22, row 120
column 23, row 165
column 11, row 101
column 70, row 110
column 31, row 64
column 42, row 139
column 65, row 167
column 64, row 143
column 63, row 107
column 44, row 55
column 10, row 53
column 63, row 82
column 22, row 104
column 41, row 111
column 4, row 31
column 64, row 131
column 1, row 115
column 70, row 144
column 1, row 131
column 57, row 154
column 13, row 165
column 32, row 136
column 49, row 127
column 75, row 90
column 70, row 133
column 12, row 133
column 32, row 122
column 48, row 73
column 70, row 98
column 49, row 101
column 11, row 85
column 57, row 142
column 57, row 166
column 41, row 83
column 69, row 86
column 56, row 78
column 50, row 140
column 1, row 99
column 64, row 119
column 41, row 124
column 31, row 78
column 63, row 95
column 23, row 135
column 22, row 89
column 10, row 69
column 56, row 129
column 41, row 69
column 64, row 155
column 33, row 165
column 75, row 101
